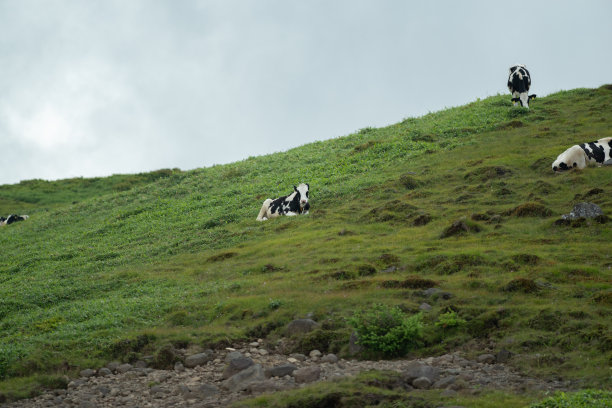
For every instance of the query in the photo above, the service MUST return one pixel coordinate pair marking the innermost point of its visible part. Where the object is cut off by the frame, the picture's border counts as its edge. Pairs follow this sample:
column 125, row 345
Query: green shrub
column 387, row 329
column 450, row 320
column 581, row 399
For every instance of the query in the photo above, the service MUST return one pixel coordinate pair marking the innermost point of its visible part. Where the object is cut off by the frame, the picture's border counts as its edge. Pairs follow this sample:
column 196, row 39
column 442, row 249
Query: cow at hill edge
column 519, row 82
column 292, row 204
column 580, row 156
column 12, row 218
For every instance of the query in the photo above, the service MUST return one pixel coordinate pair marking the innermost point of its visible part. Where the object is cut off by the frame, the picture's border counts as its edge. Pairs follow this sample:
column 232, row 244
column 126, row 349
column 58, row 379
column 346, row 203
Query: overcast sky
column 93, row 88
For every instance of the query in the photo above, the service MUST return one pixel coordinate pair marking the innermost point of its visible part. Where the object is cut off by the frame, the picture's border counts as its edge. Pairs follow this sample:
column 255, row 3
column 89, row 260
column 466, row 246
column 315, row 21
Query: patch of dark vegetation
column 513, row 124
column 486, row 322
column 607, row 87
column 126, row 347
column 524, row 285
column 326, row 341
column 526, row 259
column 589, row 194
column 354, row 285
column 165, row 357
column 344, row 232
column 267, row 268
column 365, row 146
column 488, row 173
column 342, row 275
column 581, row 222
column 221, row 256
column 365, row 270
column 542, row 164
column 388, row 259
column 421, row 219
column 448, row 265
column 603, row 298
column 262, row 330
column 480, row 217
column 547, row 320
column 410, row 182
column 460, row 227
column 394, row 210
column 529, row 210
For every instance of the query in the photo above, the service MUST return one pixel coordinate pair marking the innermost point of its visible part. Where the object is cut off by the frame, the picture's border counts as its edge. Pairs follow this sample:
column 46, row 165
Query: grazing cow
column 292, row 204
column 519, row 82
column 579, row 156
column 12, row 218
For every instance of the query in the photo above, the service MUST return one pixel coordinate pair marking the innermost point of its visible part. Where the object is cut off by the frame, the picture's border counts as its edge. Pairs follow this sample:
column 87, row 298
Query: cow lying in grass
column 292, row 204
column 580, row 156
column 12, row 218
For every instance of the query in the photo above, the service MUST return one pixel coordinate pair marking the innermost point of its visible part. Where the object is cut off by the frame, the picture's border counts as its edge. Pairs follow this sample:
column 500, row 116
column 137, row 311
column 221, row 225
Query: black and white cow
column 580, row 156
column 519, row 82
column 12, row 218
column 292, row 204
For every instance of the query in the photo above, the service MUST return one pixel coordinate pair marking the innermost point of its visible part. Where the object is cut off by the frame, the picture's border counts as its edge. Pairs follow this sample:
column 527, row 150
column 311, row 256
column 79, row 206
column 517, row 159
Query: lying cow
column 12, row 218
column 292, row 204
column 579, row 156
column 519, row 82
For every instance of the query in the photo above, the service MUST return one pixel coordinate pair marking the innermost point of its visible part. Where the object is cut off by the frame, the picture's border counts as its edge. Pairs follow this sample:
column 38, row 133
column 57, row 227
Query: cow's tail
column 264, row 210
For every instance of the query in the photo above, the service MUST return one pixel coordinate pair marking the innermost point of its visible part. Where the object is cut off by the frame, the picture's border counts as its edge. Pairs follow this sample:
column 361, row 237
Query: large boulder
column 199, row 359
column 415, row 370
column 241, row 381
column 583, row 210
column 301, row 326
column 307, row 374
column 280, row 370
column 236, row 365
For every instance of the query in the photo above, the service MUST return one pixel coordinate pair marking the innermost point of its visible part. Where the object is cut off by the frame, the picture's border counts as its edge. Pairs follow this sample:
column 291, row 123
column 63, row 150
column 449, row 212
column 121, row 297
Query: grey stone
column 390, row 269
column 307, row 374
column 231, row 355
column 199, row 359
column 113, row 365
column 583, row 210
column 258, row 387
column 503, row 356
column 486, row 358
column 426, row 307
column 354, row 347
column 104, row 390
column 330, row 358
column 298, row 356
column 301, row 326
column 414, row 370
column 87, row 404
column 179, row 367
column 315, row 354
column 444, row 382
column 236, row 365
column 204, row 390
column 241, row 380
column 88, row 372
column 421, row 383
column 140, row 364
column 103, row 372
column 124, row 368
column 280, row 371
column 448, row 393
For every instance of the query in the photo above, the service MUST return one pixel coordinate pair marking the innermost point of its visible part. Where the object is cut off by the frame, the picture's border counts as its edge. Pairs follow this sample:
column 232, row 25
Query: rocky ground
column 217, row 378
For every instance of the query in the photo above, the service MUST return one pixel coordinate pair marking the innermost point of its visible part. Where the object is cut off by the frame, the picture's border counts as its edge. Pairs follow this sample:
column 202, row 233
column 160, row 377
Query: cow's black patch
column 563, row 166
column 14, row 218
column 595, row 152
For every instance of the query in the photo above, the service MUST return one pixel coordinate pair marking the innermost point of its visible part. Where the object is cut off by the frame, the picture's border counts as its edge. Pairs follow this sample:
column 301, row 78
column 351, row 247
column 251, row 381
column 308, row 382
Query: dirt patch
column 529, row 210
column 221, row 257
column 488, row 173
column 521, row 285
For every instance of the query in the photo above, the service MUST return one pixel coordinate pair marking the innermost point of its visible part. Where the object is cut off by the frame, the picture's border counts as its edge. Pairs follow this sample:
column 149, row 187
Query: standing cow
column 292, row 204
column 519, row 82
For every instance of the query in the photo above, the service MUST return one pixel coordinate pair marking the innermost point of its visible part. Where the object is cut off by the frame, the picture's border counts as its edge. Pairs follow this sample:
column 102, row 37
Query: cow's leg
column 290, row 213
column 264, row 210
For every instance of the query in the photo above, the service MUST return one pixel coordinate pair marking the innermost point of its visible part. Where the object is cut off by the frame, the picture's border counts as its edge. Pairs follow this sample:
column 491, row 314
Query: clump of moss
column 521, row 285
column 410, row 182
column 460, row 227
column 222, row 256
column 526, row 259
column 529, row 210
column 547, row 320
column 488, row 173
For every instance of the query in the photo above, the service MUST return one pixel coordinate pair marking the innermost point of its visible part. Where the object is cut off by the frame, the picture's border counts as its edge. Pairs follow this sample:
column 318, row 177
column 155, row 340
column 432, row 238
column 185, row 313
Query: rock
column 390, row 269
column 583, row 210
column 258, row 387
column 233, row 354
column 179, row 367
column 503, row 356
column 298, row 356
column 124, row 368
column 307, row 374
column 263, row 352
column 414, row 370
column 354, row 347
column 486, row 358
column 254, row 344
column 437, row 293
column 103, row 390
column 236, row 365
column 448, row 393
column 301, row 326
column 426, row 307
column 103, row 372
column 444, row 382
column 330, row 358
column 241, row 380
column 199, row 359
column 315, row 354
column 140, row 364
column 292, row 360
column 280, row 371
column 88, row 372
column 421, row 383
column 204, row 390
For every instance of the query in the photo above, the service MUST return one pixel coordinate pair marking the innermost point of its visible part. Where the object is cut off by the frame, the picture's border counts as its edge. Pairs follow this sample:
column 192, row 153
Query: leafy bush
column 449, row 320
column 387, row 329
column 581, row 399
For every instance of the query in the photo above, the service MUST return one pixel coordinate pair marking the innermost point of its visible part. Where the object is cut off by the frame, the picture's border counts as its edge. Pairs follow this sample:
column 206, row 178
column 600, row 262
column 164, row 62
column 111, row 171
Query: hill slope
column 183, row 260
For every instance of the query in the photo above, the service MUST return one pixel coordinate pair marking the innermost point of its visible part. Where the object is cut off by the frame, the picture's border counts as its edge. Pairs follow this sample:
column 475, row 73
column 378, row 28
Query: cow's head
column 302, row 191
column 524, row 99
column 572, row 158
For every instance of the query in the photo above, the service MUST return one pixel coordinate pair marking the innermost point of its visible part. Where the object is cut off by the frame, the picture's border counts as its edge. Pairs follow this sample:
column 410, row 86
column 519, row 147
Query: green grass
column 178, row 257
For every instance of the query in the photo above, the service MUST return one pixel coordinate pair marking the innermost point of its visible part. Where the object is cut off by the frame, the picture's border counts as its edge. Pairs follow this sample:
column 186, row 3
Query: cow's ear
column 515, row 99
column 308, row 186
column 532, row 96
column 294, row 188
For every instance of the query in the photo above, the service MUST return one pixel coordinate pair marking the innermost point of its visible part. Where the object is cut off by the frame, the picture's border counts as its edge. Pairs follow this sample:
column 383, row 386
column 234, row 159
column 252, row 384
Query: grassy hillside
column 98, row 273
